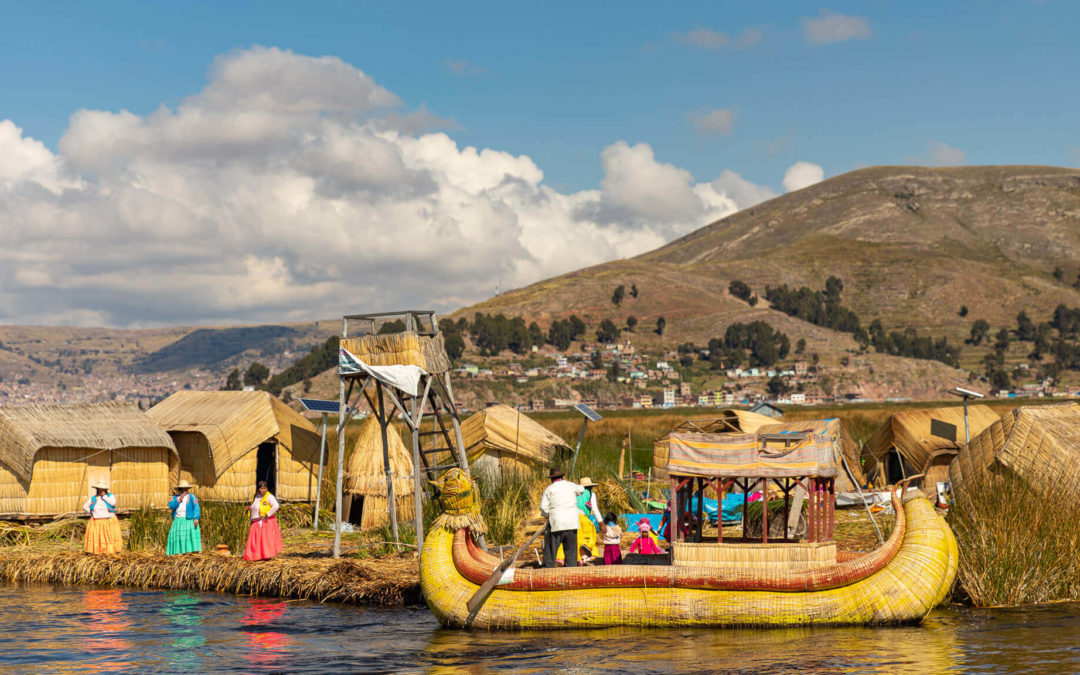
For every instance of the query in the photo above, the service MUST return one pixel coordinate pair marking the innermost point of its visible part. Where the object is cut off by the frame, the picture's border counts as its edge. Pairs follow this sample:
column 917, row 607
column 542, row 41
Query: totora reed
column 384, row 582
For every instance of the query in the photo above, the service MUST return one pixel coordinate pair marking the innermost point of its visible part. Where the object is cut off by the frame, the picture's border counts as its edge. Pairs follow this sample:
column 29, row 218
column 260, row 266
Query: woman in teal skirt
column 184, row 535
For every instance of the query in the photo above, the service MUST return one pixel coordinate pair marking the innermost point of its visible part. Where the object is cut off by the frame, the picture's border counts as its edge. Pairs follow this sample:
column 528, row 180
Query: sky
column 228, row 162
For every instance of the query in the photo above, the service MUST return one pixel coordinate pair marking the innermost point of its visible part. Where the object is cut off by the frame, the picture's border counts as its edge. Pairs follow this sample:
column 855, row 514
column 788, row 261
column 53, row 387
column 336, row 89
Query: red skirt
column 612, row 554
column 264, row 540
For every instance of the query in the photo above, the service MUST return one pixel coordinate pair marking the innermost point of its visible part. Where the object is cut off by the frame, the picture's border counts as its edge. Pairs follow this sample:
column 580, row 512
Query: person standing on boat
column 589, row 524
column 184, row 534
column 559, row 505
column 103, row 530
column 264, row 536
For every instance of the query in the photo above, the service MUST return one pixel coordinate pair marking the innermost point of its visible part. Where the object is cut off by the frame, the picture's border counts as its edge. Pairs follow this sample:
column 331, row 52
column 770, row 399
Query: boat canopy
column 760, row 455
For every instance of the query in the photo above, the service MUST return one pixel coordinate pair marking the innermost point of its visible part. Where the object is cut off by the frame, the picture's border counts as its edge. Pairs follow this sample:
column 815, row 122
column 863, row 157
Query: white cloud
column 742, row 191
column 942, row 154
column 829, row 27
column 718, row 121
column 294, row 187
column 802, row 174
column 707, row 38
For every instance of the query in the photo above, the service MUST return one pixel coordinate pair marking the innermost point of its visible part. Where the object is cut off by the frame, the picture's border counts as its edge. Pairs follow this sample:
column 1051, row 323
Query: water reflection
column 107, row 624
column 186, row 640
column 267, row 648
column 58, row 629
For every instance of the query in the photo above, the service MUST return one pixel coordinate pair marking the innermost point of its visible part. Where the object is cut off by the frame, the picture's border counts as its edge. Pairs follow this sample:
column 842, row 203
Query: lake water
column 56, row 629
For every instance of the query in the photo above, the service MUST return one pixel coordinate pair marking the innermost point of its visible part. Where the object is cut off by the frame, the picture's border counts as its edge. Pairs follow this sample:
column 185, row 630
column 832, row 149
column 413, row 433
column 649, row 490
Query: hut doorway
column 266, row 465
column 356, row 510
column 894, row 467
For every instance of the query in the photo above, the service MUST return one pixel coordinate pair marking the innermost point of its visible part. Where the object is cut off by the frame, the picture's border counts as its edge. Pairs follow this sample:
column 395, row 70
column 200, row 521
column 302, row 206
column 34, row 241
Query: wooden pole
column 418, row 502
column 342, row 404
column 700, row 509
column 391, row 501
column 673, row 504
column 322, row 460
column 719, row 510
column 745, row 505
column 764, row 510
column 811, row 513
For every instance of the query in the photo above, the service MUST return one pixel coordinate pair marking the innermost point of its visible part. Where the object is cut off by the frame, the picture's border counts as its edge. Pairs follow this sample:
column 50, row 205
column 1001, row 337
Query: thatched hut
column 501, row 439
column 230, row 440
column 728, row 421
column 903, row 445
column 50, row 455
column 365, row 477
column 1040, row 444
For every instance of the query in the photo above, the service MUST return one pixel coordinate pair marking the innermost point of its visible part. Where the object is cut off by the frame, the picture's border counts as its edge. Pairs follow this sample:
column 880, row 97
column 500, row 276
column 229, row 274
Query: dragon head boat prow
column 460, row 503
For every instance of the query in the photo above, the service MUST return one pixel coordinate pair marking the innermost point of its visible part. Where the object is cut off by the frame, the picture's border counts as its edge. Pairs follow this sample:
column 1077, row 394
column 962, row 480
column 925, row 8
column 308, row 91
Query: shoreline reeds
column 385, row 582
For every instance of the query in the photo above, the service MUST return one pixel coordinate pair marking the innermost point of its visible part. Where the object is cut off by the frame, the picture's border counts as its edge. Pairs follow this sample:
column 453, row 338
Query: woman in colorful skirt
column 264, row 537
column 103, row 530
column 184, row 535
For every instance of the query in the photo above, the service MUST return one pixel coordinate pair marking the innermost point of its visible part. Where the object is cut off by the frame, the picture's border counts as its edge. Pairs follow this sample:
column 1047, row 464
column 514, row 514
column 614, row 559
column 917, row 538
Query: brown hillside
column 911, row 244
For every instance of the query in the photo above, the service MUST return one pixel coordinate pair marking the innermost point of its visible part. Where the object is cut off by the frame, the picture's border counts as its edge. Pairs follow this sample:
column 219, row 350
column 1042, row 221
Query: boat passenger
column 264, row 536
column 645, row 543
column 103, row 529
column 559, row 505
column 612, row 538
column 589, row 525
column 184, row 534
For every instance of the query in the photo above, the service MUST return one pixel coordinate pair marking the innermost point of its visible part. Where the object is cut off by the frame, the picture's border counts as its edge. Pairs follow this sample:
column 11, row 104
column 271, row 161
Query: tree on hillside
column 256, row 374
column 597, row 359
column 631, row 321
column 1076, row 284
column 963, row 310
column 321, row 358
column 979, row 331
column 577, row 326
column 661, row 324
column 608, row 332
column 1025, row 329
column 633, row 291
column 800, row 346
column 232, row 380
column 614, row 371
column 1001, row 340
column 777, row 386
column 1059, row 274
column 307, row 386
column 395, row 326
column 561, row 334
column 740, row 290
column 618, row 295
column 455, row 345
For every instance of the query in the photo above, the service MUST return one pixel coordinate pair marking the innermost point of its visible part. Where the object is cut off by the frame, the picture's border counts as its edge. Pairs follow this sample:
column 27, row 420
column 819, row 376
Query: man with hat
column 559, row 505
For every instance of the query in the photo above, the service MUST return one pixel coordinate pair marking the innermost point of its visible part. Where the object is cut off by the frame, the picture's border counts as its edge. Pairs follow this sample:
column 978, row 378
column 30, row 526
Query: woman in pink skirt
column 264, row 537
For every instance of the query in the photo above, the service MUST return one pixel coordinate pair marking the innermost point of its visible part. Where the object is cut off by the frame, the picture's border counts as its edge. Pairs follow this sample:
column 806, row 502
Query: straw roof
column 909, row 432
column 25, row 430
column 233, row 422
column 400, row 349
column 746, row 421
column 366, row 474
column 833, row 428
column 506, row 430
column 1037, row 443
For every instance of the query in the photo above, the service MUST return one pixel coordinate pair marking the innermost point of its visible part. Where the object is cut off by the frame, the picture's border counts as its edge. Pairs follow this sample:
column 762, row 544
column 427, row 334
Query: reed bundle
column 386, row 582
column 400, row 349
column 756, row 556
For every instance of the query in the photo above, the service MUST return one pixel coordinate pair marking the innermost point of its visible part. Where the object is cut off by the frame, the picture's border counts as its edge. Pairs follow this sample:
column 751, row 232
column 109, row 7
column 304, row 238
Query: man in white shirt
column 559, row 505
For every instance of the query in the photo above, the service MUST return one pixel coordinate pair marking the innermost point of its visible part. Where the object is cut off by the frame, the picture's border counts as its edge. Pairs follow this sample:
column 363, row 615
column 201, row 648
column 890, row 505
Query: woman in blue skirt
column 184, row 535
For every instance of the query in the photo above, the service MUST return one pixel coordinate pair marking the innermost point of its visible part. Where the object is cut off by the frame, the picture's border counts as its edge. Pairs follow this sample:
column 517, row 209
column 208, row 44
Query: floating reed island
column 377, row 582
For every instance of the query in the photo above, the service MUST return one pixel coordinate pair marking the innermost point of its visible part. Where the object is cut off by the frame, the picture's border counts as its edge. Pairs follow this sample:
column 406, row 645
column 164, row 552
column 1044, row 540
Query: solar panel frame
column 588, row 412
column 320, row 405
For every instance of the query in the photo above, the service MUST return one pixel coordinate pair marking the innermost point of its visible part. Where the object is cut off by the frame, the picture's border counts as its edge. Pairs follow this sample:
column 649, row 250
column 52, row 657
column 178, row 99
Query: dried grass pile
column 386, row 582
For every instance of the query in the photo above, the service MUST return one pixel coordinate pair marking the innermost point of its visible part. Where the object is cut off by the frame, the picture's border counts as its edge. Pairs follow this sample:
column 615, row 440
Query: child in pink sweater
column 645, row 542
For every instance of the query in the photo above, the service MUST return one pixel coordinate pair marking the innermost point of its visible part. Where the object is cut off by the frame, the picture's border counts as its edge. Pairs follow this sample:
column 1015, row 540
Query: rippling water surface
column 54, row 629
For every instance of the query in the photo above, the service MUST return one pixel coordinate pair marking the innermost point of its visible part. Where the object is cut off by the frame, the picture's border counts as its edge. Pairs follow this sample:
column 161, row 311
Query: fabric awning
column 405, row 378
column 750, row 455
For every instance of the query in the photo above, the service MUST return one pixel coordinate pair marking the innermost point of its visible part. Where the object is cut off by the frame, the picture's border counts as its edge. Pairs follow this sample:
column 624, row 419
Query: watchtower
column 410, row 370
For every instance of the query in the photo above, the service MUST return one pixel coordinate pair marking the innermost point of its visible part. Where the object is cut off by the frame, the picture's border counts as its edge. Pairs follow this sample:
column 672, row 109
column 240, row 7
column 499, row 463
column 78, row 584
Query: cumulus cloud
column 802, row 174
column 719, row 121
column 707, row 38
column 295, row 187
column 829, row 27
column 942, row 154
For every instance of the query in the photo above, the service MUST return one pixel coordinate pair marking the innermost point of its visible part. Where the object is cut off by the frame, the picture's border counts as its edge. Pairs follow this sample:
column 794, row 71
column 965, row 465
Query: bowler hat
column 556, row 473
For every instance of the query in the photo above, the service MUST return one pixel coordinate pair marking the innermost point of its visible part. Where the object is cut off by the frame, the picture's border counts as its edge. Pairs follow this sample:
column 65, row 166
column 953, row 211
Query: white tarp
column 405, row 378
column 855, row 499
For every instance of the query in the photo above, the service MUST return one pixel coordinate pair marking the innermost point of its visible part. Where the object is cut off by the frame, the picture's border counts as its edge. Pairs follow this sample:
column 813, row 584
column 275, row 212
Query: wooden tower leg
column 418, row 502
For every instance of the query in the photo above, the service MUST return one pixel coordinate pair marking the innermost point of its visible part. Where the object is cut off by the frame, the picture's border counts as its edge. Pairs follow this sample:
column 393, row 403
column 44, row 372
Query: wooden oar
column 476, row 602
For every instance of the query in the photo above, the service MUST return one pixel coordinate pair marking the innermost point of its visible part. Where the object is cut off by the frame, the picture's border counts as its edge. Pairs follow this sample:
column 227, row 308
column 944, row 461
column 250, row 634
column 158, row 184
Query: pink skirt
column 612, row 554
column 264, row 540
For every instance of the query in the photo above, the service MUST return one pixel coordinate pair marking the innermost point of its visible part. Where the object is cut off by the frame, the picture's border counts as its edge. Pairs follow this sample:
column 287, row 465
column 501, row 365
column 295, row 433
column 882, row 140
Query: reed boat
column 723, row 585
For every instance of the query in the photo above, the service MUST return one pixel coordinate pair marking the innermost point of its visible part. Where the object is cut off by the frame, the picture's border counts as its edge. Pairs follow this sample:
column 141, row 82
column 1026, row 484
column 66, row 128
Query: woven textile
column 747, row 455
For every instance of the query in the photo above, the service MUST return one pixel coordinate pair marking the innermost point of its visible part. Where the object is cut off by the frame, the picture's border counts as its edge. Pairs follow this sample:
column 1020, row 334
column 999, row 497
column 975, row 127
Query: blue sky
column 166, row 163
column 559, row 81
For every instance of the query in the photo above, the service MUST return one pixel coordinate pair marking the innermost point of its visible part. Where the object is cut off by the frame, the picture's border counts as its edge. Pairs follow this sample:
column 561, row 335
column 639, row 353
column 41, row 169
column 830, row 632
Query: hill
column 912, row 245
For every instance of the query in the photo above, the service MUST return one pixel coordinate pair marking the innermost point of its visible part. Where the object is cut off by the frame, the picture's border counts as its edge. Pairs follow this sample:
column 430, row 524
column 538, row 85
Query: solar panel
column 319, row 405
column 588, row 412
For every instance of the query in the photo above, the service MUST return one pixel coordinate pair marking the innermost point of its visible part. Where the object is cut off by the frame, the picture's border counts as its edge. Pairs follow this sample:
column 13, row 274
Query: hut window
column 266, row 465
